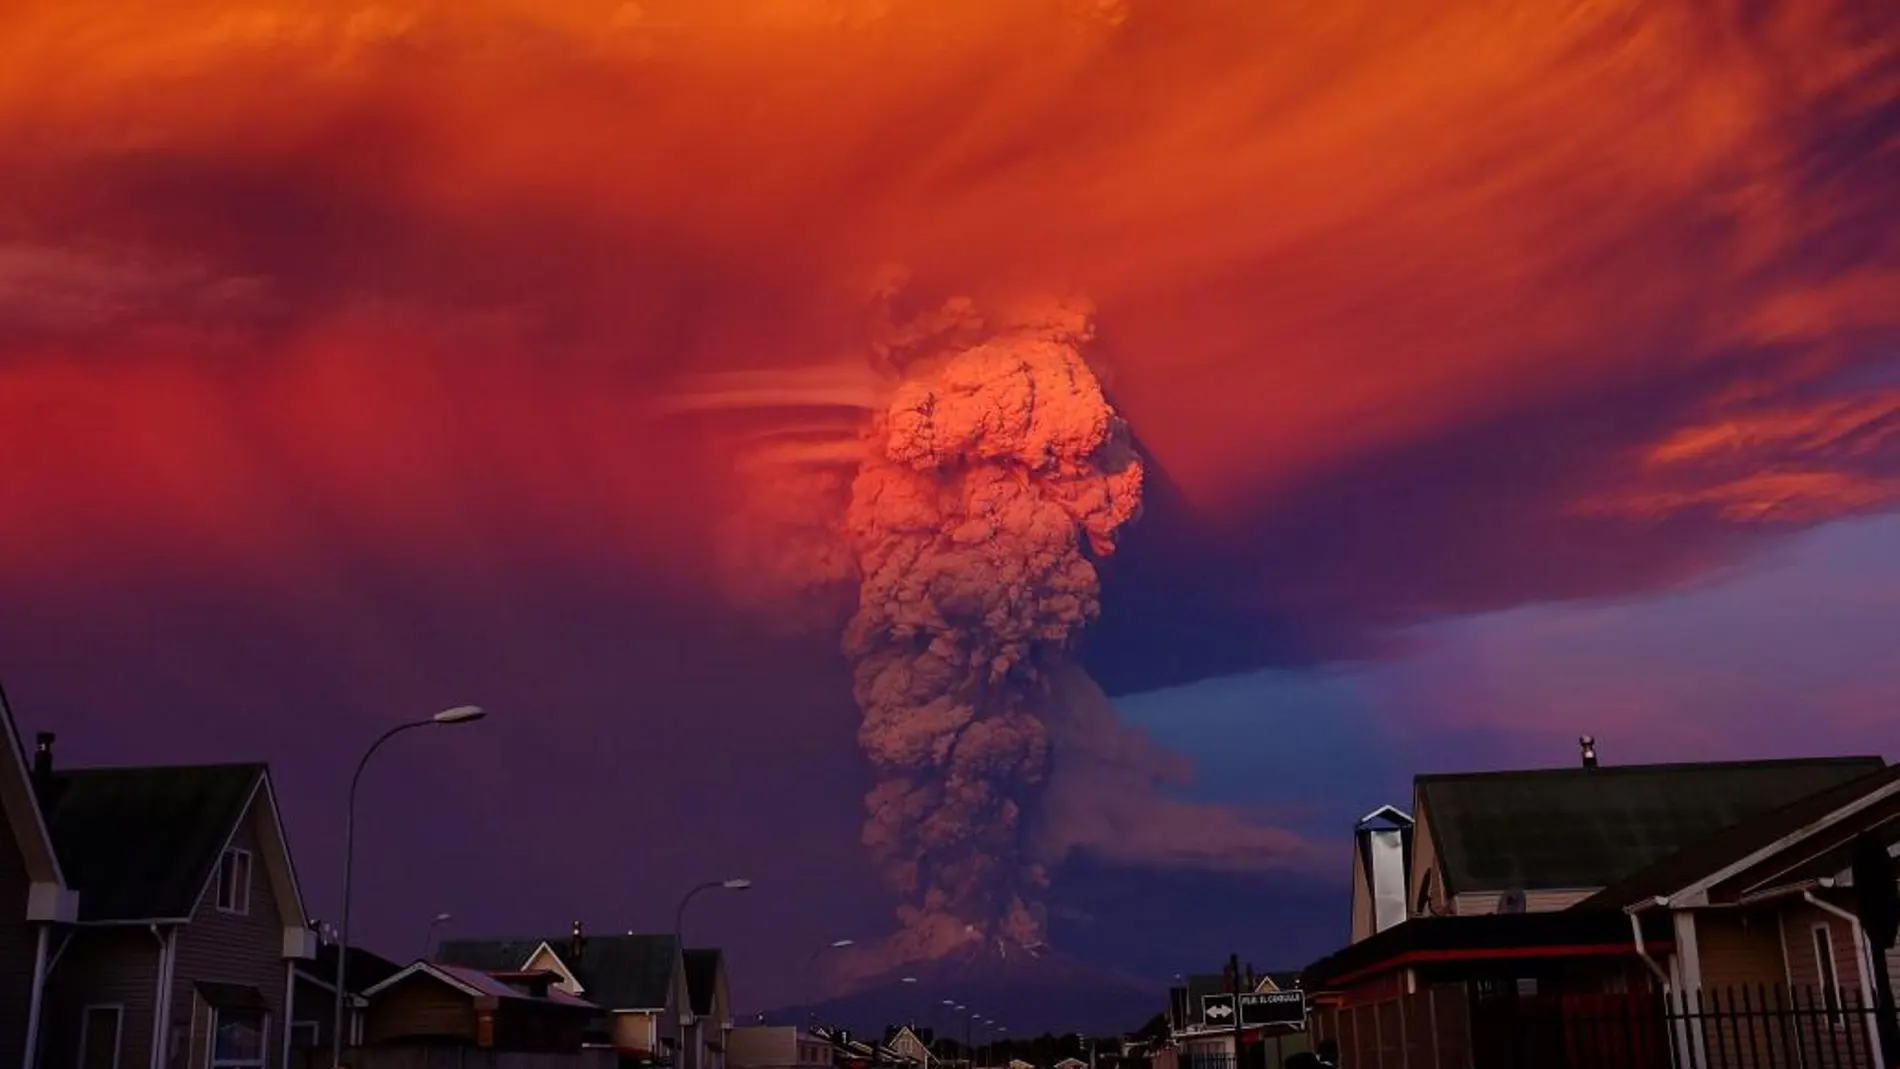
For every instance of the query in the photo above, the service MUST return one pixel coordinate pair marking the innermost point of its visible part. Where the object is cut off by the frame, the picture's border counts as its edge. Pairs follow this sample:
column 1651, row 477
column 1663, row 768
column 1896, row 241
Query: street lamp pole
column 805, row 972
column 461, row 714
column 679, row 914
column 428, row 938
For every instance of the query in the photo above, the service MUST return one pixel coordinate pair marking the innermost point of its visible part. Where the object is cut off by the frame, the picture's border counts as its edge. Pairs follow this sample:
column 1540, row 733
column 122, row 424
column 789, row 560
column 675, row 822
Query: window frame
column 1828, row 969
column 315, row 1032
column 262, row 1061
column 118, row 1029
column 240, row 902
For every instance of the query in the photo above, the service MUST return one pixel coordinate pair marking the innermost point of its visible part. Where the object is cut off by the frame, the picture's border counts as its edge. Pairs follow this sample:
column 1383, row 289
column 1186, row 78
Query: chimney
column 1253, row 978
column 43, row 756
column 1588, row 744
column 577, row 942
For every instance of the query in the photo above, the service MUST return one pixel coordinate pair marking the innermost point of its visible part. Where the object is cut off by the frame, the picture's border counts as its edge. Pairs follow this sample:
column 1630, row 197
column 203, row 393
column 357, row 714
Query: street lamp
column 804, row 972
column 679, row 914
column 428, row 938
column 461, row 714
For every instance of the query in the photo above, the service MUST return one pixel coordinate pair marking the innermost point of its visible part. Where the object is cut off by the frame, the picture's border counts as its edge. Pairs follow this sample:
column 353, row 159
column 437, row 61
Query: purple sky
column 1499, row 381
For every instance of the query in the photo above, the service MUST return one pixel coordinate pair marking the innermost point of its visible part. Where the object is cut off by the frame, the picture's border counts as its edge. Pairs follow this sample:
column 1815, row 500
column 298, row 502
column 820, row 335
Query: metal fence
column 1758, row 1027
column 1270, row 1051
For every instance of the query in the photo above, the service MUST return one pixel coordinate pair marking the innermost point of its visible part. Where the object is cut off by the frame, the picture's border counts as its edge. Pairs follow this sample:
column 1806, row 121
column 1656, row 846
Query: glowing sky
column 1492, row 360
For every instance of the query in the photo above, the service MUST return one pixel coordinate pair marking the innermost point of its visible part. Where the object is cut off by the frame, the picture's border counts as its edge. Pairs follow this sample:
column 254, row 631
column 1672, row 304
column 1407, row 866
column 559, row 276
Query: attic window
column 234, row 881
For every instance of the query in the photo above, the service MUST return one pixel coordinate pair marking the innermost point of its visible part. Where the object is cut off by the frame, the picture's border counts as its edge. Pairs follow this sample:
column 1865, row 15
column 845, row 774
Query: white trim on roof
column 428, row 968
column 48, row 897
column 1697, row 893
column 567, row 975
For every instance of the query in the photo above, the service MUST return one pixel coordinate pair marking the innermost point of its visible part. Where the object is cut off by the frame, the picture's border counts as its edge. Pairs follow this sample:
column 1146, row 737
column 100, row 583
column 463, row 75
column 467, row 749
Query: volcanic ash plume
column 992, row 477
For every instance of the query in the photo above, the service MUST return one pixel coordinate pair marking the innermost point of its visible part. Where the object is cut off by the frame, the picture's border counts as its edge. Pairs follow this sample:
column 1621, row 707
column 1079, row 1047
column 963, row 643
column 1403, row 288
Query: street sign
column 1217, row 1010
column 1272, row 1007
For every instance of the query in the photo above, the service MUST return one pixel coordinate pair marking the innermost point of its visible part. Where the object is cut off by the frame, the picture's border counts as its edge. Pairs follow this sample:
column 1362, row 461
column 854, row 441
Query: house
column 190, row 920
column 1548, row 903
column 910, row 1046
column 431, row 1006
column 638, row 982
column 1546, row 839
column 315, row 1006
column 34, row 900
column 704, row 1039
column 1764, row 911
column 776, row 1047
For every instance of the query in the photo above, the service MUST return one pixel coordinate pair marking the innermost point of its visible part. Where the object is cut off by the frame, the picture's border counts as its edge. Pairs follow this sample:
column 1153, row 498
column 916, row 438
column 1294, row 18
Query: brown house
column 638, row 981
column 1762, row 914
column 427, row 1004
column 314, row 1007
column 189, row 922
column 33, row 900
column 1509, row 942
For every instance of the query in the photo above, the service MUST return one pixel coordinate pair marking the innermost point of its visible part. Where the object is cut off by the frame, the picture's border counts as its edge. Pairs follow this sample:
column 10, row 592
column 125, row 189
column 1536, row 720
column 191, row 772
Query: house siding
column 1741, row 965
column 420, row 1007
column 19, row 942
column 232, row 948
column 635, row 1031
column 1738, row 949
column 1804, row 977
column 1361, row 899
column 1424, row 863
column 764, row 1047
column 115, row 966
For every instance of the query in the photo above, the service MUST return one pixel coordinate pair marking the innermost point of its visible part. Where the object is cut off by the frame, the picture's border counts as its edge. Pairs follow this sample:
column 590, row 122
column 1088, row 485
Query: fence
column 1759, row 1027
column 1269, row 1051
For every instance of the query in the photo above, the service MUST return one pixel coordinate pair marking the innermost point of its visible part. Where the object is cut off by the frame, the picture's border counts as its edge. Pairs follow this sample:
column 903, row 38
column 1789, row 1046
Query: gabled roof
column 367, row 969
column 619, row 972
column 142, row 843
column 703, row 968
column 1737, row 843
column 1577, row 828
column 477, row 984
column 21, row 809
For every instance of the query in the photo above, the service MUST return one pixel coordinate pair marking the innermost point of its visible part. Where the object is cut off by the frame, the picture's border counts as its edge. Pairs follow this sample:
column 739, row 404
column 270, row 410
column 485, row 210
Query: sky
column 1500, row 375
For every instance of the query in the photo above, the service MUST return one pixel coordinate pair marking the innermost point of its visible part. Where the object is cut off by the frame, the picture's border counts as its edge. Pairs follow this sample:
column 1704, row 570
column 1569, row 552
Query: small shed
column 453, row 1005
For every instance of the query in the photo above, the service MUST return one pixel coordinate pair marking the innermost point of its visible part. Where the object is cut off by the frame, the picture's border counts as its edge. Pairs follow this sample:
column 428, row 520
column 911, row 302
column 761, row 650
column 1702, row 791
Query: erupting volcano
column 983, row 473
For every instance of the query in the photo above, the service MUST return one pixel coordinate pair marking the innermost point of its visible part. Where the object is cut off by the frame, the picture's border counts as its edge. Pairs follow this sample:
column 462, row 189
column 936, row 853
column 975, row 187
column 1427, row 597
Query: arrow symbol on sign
column 1221, row 1010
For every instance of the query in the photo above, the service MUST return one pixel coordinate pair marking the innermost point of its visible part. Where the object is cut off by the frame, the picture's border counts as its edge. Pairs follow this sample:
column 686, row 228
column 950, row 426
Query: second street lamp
column 461, row 714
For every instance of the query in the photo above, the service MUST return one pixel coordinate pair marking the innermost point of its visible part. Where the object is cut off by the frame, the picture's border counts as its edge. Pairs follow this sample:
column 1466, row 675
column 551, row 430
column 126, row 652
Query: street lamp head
column 443, row 918
column 461, row 714
column 736, row 884
column 908, row 980
column 840, row 944
column 950, row 1002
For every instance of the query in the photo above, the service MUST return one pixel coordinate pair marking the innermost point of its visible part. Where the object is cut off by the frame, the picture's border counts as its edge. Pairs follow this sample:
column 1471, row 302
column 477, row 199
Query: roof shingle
column 618, row 972
column 1571, row 828
column 1716, row 852
column 141, row 843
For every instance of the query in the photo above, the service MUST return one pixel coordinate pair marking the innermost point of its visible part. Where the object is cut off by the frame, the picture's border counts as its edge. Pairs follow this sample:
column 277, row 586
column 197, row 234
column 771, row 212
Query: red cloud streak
column 283, row 275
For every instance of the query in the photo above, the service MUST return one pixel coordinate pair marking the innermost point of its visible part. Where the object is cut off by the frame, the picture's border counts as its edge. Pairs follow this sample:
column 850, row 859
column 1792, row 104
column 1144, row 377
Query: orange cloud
column 282, row 268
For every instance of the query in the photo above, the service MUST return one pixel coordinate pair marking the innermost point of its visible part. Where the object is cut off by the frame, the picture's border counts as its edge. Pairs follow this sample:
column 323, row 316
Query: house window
column 240, row 1038
column 305, row 1035
column 234, row 881
column 1830, row 977
column 99, row 1033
